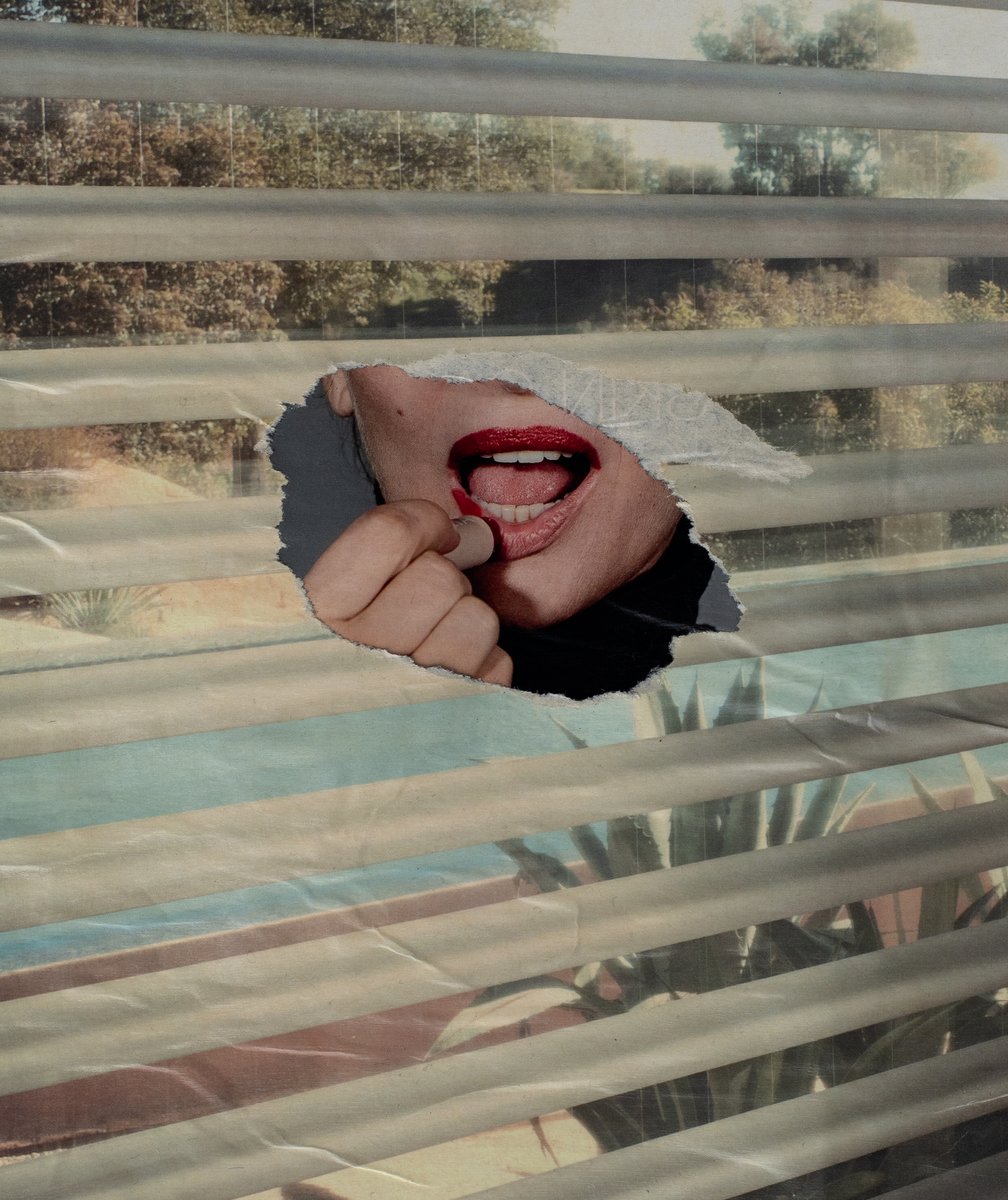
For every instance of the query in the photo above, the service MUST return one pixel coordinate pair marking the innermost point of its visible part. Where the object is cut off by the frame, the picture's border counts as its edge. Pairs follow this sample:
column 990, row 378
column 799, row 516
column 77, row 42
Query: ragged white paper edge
column 660, row 423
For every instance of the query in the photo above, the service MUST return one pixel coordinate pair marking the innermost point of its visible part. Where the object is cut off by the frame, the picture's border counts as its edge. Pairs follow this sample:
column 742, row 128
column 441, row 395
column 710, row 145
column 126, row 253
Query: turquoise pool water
column 140, row 779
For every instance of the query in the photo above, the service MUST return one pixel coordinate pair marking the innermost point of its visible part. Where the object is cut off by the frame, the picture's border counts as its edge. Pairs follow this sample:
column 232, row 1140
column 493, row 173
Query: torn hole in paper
column 571, row 565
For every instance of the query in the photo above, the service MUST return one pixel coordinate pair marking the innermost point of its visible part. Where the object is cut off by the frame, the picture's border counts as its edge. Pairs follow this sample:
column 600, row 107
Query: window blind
column 61, row 551
column 190, row 224
column 149, row 1005
column 43, row 388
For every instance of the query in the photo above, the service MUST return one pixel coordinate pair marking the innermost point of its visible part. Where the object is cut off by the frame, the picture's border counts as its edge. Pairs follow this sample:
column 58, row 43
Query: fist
column 385, row 582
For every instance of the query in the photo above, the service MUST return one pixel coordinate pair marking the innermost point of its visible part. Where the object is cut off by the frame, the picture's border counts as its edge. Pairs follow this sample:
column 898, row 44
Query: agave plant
column 733, row 825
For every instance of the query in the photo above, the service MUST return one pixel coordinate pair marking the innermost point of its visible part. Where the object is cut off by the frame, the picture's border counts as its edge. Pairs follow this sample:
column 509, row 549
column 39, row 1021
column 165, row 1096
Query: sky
column 950, row 41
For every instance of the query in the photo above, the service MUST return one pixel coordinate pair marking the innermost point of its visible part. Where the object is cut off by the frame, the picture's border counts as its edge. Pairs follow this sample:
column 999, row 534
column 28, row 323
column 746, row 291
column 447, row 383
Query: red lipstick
column 529, row 437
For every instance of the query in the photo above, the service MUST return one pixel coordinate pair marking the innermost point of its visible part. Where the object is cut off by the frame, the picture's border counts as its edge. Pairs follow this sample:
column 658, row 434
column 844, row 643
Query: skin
column 384, row 582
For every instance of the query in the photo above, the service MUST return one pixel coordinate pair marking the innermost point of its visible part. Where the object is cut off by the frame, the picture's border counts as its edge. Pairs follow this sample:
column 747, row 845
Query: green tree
column 209, row 146
column 105, row 142
column 95, row 142
column 805, row 161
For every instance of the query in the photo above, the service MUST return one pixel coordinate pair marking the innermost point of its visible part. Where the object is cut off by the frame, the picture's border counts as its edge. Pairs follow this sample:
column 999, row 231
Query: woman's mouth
column 527, row 481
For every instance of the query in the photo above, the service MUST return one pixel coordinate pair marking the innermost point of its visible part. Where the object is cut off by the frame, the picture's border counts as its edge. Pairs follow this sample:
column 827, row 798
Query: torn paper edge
column 661, row 424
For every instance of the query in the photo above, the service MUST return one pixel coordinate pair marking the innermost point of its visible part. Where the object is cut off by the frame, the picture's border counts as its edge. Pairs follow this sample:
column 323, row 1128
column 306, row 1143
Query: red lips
column 529, row 437
column 514, row 487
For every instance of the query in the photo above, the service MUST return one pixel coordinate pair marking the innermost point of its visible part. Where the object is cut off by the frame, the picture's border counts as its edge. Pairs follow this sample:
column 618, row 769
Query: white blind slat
column 55, row 550
column 433, row 1102
column 131, row 690
column 848, row 487
column 177, row 1011
column 728, row 1158
column 41, row 388
column 191, row 224
column 72, row 61
column 804, row 616
column 58, row 550
column 151, row 860
column 69, row 708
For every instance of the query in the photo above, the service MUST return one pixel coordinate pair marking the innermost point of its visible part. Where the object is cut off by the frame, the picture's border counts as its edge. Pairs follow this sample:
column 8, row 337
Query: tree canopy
column 792, row 160
column 173, row 145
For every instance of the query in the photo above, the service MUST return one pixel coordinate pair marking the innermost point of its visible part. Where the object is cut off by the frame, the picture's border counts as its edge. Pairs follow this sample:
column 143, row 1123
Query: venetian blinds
column 251, row 873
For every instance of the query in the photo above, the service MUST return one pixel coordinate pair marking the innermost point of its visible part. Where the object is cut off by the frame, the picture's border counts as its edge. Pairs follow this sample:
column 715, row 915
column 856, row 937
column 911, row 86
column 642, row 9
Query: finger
column 463, row 638
column 497, row 668
column 371, row 551
column 409, row 607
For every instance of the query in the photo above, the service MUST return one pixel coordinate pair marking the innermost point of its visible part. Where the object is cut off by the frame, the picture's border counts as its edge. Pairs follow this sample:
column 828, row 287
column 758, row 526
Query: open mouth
column 528, row 481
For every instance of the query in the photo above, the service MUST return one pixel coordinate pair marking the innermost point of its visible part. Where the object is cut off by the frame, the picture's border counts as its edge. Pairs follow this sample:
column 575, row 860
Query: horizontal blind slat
column 728, row 1158
column 54, row 876
column 161, row 689
column 57, row 550
column 429, row 1103
column 848, row 487
column 65, row 549
column 166, row 1014
column 42, row 388
column 837, row 612
column 982, row 1180
column 70, row 708
column 73, row 61
column 151, row 224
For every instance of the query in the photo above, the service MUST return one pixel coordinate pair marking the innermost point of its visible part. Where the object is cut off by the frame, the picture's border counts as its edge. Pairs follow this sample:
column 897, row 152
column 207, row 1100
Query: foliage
column 102, row 610
column 748, row 294
column 795, row 161
column 169, row 145
column 174, row 145
column 92, row 142
column 197, row 442
column 716, row 829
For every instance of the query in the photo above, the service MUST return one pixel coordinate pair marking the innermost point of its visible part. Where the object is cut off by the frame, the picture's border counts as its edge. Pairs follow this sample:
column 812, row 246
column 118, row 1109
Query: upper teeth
column 527, row 456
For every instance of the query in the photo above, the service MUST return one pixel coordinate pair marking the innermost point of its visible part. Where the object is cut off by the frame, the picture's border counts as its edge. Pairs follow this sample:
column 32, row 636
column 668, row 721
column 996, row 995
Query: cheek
column 395, row 444
column 638, row 513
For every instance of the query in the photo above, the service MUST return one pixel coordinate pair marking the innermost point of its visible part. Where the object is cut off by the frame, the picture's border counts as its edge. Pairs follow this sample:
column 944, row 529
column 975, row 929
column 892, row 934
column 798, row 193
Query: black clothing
column 618, row 642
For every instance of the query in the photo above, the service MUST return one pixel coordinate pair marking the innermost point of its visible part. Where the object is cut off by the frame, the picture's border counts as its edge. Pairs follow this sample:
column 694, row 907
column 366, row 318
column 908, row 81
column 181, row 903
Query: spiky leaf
column 695, row 713
column 501, row 1007
column 544, row 870
column 821, row 809
column 631, row 847
column 593, row 849
column 745, row 824
column 784, row 814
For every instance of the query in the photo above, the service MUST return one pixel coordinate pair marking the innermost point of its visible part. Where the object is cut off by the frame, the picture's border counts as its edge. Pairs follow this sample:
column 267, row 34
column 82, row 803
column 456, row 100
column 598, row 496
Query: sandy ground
column 454, row 1169
column 178, row 608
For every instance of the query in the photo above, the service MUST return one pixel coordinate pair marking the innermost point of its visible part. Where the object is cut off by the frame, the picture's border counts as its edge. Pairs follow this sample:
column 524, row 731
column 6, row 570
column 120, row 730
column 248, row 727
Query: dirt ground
column 175, row 609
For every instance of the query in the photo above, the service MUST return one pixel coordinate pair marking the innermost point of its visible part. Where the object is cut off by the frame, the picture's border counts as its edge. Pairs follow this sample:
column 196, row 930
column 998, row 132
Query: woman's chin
column 524, row 598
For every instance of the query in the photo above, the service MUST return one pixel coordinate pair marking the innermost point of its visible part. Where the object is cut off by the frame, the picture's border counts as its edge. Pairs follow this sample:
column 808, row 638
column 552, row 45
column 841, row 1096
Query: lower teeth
column 514, row 514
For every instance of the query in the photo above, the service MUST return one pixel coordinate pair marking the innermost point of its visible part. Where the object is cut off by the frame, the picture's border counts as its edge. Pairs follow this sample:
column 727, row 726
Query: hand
column 385, row 583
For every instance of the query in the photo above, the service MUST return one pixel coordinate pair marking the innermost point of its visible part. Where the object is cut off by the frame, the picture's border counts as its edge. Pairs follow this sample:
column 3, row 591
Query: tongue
column 520, row 483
